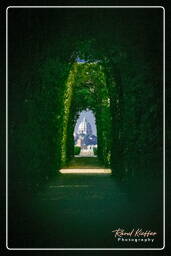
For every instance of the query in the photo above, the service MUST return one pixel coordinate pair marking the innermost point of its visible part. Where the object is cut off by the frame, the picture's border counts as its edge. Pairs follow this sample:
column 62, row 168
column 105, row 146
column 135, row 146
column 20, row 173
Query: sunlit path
column 85, row 170
column 85, row 165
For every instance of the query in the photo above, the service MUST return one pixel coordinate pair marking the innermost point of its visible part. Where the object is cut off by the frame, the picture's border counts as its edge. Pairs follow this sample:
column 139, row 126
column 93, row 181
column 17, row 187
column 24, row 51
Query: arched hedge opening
column 88, row 89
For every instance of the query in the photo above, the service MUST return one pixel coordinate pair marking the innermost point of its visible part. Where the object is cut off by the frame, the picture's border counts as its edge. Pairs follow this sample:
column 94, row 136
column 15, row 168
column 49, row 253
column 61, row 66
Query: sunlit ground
column 85, row 165
column 79, row 171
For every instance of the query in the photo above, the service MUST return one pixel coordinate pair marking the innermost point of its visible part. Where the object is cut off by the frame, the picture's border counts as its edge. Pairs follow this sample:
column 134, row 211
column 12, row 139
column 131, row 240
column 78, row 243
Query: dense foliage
column 90, row 92
column 95, row 151
column 77, row 150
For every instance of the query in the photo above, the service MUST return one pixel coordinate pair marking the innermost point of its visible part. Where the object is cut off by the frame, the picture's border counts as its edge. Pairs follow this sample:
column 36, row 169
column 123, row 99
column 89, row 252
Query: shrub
column 95, row 151
column 77, row 150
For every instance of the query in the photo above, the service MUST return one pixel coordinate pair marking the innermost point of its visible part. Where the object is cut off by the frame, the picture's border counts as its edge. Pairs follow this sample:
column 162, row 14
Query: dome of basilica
column 84, row 127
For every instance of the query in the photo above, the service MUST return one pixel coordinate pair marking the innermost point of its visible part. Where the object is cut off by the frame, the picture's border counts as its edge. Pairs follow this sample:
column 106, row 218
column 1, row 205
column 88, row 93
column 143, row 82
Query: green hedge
column 77, row 150
column 95, row 151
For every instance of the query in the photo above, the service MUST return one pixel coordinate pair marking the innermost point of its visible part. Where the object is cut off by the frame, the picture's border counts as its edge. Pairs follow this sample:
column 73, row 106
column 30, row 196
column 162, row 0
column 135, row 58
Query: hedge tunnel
column 120, row 80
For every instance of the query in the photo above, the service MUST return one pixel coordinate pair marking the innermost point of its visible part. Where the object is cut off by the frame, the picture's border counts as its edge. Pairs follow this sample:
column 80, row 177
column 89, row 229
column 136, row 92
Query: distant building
column 84, row 137
column 84, row 127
